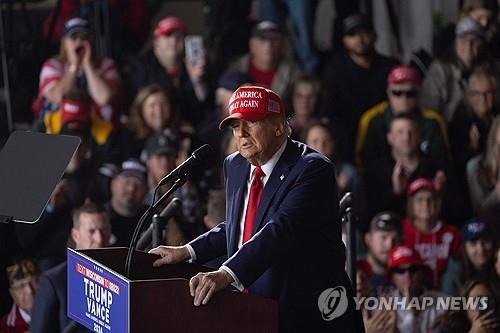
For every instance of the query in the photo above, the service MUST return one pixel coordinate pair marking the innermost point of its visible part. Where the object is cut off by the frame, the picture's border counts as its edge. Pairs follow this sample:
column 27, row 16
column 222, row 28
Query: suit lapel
column 240, row 174
column 277, row 178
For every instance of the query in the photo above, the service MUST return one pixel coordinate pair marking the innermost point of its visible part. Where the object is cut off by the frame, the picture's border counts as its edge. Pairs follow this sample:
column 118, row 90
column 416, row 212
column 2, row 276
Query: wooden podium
column 155, row 299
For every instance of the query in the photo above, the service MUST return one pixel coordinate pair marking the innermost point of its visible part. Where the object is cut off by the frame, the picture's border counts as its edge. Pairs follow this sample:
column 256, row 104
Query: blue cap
column 75, row 25
column 474, row 229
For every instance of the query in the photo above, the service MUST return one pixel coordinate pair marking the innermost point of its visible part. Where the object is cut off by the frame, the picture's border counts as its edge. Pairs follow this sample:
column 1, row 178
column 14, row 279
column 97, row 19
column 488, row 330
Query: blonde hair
column 489, row 167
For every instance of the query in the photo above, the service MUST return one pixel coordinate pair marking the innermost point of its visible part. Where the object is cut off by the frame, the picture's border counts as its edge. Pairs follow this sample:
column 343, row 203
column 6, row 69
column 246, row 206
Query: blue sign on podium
column 98, row 298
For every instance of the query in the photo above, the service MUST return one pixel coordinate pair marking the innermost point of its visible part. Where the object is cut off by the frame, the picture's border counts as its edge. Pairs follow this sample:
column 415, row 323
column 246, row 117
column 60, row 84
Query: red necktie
column 253, row 203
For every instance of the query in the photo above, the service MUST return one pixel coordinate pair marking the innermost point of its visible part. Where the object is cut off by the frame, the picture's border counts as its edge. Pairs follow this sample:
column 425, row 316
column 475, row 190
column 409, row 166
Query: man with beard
column 125, row 208
column 384, row 234
column 355, row 79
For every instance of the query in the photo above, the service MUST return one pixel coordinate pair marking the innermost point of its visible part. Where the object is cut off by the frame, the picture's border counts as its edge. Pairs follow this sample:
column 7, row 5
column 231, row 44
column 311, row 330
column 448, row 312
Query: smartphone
column 194, row 48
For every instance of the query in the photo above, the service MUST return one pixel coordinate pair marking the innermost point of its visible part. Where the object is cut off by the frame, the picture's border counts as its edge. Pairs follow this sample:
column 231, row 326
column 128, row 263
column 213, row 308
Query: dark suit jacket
column 296, row 251
column 50, row 308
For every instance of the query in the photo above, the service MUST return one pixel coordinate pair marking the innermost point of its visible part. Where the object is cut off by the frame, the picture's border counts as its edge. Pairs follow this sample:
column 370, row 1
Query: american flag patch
column 273, row 106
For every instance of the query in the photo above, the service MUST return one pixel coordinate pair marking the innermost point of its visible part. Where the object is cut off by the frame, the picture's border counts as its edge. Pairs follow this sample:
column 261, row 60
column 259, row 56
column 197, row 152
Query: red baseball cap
column 253, row 103
column 403, row 255
column 402, row 74
column 74, row 111
column 420, row 184
column 168, row 25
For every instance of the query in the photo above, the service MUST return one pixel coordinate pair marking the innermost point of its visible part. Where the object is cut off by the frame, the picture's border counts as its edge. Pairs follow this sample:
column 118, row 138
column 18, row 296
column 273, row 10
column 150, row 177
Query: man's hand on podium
column 170, row 255
column 203, row 286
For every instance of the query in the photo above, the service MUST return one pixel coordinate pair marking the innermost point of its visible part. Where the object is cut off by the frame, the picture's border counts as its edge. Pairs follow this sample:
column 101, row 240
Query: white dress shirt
column 267, row 168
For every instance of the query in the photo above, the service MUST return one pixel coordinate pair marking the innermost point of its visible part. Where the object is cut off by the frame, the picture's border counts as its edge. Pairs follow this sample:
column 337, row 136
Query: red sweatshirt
column 13, row 322
column 434, row 247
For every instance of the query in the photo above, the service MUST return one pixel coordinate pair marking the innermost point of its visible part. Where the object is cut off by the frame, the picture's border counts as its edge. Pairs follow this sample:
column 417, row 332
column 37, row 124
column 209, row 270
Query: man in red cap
column 403, row 86
column 281, row 233
column 424, row 231
column 164, row 63
column 410, row 277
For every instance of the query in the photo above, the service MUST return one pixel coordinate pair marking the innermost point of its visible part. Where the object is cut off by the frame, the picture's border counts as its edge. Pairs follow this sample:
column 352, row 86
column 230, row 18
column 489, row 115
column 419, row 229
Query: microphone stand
column 158, row 226
column 154, row 206
column 349, row 218
column 154, row 234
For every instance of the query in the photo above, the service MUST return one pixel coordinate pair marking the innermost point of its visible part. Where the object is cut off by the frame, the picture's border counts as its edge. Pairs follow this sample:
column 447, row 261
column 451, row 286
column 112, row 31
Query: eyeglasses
column 478, row 93
column 408, row 93
column 402, row 270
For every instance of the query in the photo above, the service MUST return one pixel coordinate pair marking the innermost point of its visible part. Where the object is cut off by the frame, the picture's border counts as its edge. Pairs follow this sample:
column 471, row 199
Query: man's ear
column 280, row 127
column 74, row 235
column 388, row 137
column 279, row 130
column 368, row 239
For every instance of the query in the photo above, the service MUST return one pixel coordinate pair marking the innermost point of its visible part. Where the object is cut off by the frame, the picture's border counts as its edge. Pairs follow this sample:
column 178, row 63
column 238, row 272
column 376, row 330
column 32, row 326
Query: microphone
column 345, row 202
column 197, row 157
column 155, row 228
column 171, row 209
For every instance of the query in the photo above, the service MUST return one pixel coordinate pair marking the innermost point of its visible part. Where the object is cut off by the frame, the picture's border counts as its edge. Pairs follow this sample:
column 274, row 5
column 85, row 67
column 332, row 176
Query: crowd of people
column 418, row 146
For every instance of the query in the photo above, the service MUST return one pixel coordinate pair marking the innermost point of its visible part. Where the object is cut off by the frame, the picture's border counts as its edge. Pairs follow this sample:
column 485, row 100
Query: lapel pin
column 282, row 177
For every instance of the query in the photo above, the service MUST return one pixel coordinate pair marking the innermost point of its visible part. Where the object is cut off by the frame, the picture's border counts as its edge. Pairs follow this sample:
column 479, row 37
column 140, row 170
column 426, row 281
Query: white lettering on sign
column 99, row 300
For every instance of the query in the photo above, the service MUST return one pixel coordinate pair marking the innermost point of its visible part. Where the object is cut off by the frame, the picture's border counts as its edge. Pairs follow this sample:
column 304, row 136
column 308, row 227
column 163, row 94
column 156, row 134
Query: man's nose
column 240, row 131
column 98, row 238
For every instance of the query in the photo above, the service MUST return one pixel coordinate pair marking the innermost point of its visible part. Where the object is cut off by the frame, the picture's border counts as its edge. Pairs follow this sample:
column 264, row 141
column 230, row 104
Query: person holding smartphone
column 165, row 63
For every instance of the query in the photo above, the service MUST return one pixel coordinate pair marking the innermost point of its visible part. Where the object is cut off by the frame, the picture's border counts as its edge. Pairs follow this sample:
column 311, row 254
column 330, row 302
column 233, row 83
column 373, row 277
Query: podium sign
column 157, row 299
column 97, row 296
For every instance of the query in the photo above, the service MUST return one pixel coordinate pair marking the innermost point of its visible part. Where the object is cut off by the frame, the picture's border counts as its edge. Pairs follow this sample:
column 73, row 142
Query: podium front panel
column 156, row 299
column 98, row 298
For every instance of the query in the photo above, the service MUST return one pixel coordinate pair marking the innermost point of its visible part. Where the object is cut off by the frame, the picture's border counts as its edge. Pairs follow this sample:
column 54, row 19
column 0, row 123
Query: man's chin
column 361, row 52
column 245, row 153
